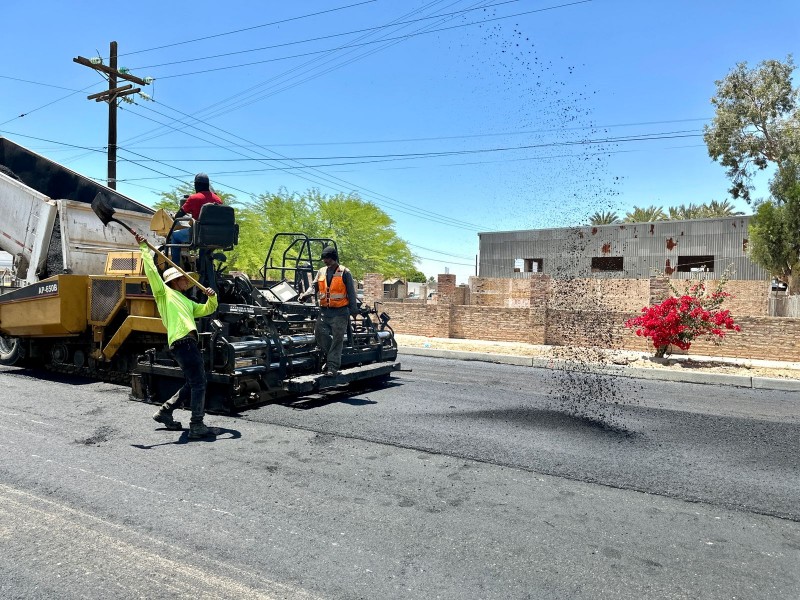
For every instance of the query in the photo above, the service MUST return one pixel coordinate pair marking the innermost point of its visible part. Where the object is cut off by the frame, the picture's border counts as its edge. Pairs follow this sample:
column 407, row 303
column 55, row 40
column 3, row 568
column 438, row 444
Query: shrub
column 679, row 320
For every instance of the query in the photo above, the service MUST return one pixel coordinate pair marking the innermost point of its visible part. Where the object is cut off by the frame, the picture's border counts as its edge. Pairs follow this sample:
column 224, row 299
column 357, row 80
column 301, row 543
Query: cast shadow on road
column 220, row 434
column 353, row 394
column 52, row 376
column 607, row 424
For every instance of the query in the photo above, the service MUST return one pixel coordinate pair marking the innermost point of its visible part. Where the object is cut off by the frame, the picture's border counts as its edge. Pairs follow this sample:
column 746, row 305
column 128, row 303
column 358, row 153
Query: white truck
column 46, row 219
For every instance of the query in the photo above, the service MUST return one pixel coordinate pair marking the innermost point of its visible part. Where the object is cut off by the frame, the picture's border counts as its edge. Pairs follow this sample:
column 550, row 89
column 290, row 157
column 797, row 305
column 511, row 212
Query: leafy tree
column 645, row 215
column 604, row 218
column 365, row 234
column 417, row 277
column 757, row 121
column 173, row 199
column 774, row 231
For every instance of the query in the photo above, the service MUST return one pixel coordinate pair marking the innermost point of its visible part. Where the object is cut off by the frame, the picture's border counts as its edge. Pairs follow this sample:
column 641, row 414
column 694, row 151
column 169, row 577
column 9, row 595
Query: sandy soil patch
column 750, row 368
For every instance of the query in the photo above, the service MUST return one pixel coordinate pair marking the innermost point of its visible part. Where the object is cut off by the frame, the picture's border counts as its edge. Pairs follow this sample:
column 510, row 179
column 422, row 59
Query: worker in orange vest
column 337, row 301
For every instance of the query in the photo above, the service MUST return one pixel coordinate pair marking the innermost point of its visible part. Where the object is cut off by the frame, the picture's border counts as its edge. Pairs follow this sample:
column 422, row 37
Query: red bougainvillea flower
column 678, row 321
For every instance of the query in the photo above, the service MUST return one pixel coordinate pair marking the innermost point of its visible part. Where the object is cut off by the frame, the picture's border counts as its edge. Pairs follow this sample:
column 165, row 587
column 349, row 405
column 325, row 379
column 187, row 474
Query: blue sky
column 513, row 100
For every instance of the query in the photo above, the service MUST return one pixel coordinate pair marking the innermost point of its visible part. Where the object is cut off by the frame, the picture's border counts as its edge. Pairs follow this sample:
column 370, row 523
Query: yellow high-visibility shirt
column 177, row 311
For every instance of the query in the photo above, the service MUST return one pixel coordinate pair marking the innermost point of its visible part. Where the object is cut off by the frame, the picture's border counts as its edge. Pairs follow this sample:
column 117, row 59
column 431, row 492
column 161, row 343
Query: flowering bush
column 679, row 320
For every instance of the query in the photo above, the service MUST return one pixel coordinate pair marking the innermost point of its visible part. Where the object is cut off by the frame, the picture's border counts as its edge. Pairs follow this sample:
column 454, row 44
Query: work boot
column 165, row 418
column 198, row 431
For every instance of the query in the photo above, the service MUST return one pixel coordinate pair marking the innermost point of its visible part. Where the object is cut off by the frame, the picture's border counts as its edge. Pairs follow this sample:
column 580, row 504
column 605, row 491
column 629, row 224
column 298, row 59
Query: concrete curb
column 763, row 383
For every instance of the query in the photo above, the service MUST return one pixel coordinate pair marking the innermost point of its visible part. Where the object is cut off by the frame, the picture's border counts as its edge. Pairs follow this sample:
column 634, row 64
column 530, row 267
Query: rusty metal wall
column 647, row 249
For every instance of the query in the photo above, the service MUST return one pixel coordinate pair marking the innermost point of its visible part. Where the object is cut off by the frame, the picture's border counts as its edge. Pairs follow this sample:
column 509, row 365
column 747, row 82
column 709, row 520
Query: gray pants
column 329, row 332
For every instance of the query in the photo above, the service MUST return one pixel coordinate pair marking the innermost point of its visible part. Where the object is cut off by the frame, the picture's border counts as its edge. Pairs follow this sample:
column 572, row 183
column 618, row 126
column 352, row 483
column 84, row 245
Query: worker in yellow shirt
column 178, row 314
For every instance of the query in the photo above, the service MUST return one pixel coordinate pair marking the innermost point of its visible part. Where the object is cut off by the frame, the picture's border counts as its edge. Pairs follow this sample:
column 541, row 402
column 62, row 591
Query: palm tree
column 721, row 209
column 645, row 215
column 690, row 211
column 603, row 217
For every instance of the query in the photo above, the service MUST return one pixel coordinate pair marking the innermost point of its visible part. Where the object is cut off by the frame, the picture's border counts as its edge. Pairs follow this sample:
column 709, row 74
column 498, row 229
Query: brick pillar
column 373, row 287
column 446, row 289
column 659, row 289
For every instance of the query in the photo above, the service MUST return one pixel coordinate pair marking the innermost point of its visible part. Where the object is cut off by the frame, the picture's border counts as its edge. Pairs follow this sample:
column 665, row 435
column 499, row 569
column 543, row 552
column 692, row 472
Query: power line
column 58, row 87
column 32, row 137
column 33, row 110
column 255, row 97
column 438, row 138
column 417, row 212
column 357, row 45
column 396, row 204
column 319, row 38
column 417, row 155
column 438, row 251
column 216, row 35
column 230, row 99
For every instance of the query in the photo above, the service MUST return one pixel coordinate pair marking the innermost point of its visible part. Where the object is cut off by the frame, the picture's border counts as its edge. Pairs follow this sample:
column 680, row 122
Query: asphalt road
column 460, row 480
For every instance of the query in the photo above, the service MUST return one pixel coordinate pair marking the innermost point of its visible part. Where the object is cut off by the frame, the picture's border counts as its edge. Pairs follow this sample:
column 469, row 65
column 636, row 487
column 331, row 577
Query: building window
column 534, row 265
column 606, row 263
column 695, row 264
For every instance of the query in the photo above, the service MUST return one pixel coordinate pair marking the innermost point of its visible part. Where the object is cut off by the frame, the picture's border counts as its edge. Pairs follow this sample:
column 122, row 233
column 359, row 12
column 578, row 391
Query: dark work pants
column 329, row 332
column 186, row 352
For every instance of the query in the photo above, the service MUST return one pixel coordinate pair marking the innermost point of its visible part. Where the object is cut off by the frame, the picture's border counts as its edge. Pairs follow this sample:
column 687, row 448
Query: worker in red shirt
column 202, row 196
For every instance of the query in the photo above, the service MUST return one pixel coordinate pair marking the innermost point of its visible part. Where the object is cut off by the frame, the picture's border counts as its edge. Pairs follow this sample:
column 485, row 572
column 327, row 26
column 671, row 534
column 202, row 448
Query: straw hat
column 172, row 274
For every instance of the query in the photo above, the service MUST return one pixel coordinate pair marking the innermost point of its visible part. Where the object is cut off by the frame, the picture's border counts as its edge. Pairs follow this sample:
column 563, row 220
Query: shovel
column 105, row 212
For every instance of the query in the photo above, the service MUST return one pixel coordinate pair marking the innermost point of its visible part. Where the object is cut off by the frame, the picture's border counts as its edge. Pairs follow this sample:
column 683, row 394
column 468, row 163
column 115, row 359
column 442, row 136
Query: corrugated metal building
column 628, row 250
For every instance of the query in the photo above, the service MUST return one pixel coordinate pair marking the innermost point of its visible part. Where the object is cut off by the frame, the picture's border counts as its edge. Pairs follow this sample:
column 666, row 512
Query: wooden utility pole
column 112, row 95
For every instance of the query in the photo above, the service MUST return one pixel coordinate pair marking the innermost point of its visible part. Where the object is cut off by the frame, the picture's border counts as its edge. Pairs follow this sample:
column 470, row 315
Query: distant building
column 629, row 250
column 5, row 268
column 394, row 288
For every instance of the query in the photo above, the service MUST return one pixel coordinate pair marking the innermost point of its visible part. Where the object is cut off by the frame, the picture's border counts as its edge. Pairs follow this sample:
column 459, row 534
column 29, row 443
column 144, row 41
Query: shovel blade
column 101, row 206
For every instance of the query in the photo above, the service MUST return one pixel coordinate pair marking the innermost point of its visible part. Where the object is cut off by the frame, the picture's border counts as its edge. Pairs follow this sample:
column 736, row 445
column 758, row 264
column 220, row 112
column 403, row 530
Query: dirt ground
column 730, row 366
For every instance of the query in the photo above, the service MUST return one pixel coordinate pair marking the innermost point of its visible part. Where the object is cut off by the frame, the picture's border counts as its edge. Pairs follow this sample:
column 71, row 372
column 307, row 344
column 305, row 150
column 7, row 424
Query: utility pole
column 111, row 95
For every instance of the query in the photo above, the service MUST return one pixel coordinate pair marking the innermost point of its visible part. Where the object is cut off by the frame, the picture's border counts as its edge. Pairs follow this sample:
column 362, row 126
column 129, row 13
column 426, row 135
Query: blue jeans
column 187, row 353
column 181, row 236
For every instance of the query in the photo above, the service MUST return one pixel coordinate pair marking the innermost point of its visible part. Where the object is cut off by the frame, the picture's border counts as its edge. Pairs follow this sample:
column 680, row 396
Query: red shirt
column 196, row 201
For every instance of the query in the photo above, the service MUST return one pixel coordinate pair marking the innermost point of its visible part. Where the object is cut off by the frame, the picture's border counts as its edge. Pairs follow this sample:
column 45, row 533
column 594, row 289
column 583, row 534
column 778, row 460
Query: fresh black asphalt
column 458, row 480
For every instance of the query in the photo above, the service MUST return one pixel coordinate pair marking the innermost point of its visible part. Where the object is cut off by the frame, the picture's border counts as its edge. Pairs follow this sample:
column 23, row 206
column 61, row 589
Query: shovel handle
column 166, row 258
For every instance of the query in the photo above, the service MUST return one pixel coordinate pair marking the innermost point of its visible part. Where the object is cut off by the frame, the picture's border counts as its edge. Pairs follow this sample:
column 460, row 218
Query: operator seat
column 216, row 228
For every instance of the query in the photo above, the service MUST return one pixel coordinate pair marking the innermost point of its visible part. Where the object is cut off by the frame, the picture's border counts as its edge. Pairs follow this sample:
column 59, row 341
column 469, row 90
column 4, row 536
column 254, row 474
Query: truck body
column 46, row 220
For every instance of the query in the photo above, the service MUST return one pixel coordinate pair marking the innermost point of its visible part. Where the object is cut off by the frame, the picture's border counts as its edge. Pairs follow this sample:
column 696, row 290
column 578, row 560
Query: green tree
column 645, row 215
column 364, row 233
column 774, row 231
column 603, row 217
column 172, row 200
column 417, row 277
column 757, row 122
column 369, row 243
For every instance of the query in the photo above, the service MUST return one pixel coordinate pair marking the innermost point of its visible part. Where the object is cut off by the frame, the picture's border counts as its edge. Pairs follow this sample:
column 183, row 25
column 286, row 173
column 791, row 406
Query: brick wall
column 431, row 320
column 596, row 294
column 586, row 312
column 498, row 324
column 512, row 293
column 767, row 338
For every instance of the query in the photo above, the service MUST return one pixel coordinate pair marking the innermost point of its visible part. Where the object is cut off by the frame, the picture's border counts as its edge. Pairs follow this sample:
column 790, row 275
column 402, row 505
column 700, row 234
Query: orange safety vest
column 336, row 296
